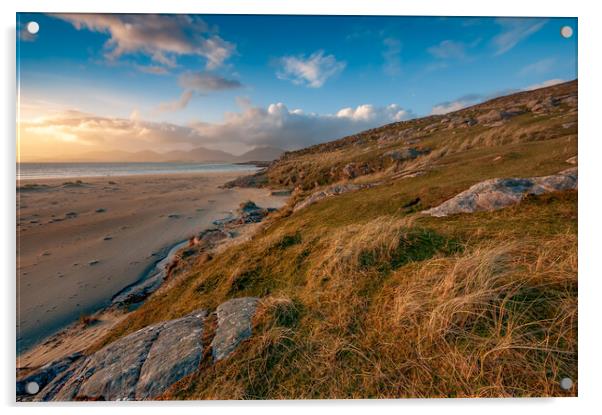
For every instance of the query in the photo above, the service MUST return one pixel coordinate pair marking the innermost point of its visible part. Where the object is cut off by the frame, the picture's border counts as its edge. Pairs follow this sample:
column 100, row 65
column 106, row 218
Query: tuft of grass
column 87, row 320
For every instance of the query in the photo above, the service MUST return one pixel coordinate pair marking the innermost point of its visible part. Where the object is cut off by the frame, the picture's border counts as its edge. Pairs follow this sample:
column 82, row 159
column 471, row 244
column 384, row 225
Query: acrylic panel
column 295, row 207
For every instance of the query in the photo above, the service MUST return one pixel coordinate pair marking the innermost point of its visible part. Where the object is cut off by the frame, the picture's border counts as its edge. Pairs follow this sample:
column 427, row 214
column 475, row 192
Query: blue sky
column 137, row 82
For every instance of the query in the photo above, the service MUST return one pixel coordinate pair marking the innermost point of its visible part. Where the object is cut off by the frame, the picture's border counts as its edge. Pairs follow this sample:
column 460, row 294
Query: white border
column 590, row 231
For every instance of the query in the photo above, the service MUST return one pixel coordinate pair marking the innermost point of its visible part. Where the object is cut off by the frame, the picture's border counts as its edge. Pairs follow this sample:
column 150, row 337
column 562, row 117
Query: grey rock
column 496, row 194
column 44, row 375
column 139, row 366
column 403, row 154
column 335, row 190
column 176, row 353
column 213, row 236
column 233, row 325
column 248, row 212
column 112, row 373
column 49, row 392
column 353, row 170
column 491, row 116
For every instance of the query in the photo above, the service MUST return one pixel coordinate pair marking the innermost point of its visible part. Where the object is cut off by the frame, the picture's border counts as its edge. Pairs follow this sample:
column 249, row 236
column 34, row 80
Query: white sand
column 56, row 281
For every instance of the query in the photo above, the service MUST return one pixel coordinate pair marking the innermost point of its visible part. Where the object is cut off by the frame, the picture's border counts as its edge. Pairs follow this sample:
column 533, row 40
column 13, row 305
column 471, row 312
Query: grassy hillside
column 363, row 297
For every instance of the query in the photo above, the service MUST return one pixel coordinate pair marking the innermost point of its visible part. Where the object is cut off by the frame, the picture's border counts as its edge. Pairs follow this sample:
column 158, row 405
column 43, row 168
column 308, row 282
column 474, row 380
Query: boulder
column 491, row 116
column 233, row 325
column 213, row 236
column 496, row 194
column 496, row 117
column 404, row 154
column 353, row 170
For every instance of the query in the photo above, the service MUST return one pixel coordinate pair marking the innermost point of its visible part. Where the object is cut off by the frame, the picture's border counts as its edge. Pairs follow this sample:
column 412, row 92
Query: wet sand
column 78, row 245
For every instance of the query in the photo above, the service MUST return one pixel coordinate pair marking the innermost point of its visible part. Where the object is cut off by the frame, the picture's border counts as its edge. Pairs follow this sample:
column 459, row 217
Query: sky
column 106, row 82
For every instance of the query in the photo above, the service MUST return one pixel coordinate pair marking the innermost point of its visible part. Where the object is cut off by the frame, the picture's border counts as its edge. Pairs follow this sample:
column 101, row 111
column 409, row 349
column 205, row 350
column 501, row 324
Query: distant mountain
column 196, row 155
column 199, row 154
column 261, row 154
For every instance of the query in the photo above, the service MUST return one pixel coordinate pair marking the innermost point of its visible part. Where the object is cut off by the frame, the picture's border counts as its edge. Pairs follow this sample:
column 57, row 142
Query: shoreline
column 133, row 230
column 96, row 170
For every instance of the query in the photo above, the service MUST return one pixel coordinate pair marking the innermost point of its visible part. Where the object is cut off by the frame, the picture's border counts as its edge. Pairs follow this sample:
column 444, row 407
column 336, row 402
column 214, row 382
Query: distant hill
column 261, row 154
column 200, row 154
column 196, row 155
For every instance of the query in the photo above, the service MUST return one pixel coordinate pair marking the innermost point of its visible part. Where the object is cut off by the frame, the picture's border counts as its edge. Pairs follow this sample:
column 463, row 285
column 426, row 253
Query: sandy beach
column 80, row 243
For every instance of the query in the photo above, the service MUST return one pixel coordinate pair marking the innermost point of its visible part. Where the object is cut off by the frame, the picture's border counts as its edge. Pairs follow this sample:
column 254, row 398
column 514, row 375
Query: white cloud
column 205, row 82
column 312, row 71
column 514, row 31
column 448, row 49
column 178, row 104
column 452, row 106
column 392, row 56
column 369, row 113
column 549, row 82
column 537, row 68
column 458, row 104
column 161, row 37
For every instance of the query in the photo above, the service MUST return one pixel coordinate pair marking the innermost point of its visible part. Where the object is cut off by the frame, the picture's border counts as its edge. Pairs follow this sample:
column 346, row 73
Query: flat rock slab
column 176, row 353
column 139, row 366
column 496, row 194
column 112, row 373
column 233, row 325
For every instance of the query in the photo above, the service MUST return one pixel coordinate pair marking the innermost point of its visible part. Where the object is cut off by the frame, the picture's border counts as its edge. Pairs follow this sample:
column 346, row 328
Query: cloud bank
column 275, row 125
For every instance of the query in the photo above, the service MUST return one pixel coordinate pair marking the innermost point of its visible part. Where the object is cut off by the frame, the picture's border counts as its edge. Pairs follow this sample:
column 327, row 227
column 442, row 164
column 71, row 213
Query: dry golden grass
column 361, row 297
column 488, row 319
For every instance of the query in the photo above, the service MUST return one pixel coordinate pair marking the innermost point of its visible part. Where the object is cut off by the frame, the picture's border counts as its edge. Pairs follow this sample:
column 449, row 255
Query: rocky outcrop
column 144, row 364
column 233, row 325
column 113, row 372
column 496, row 194
column 335, row 190
column 141, row 365
column 353, row 170
column 47, row 373
column 248, row 212
column 404, row 154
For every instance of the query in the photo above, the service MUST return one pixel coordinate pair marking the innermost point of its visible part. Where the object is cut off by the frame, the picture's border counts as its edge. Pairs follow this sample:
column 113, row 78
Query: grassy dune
column 362, row 297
